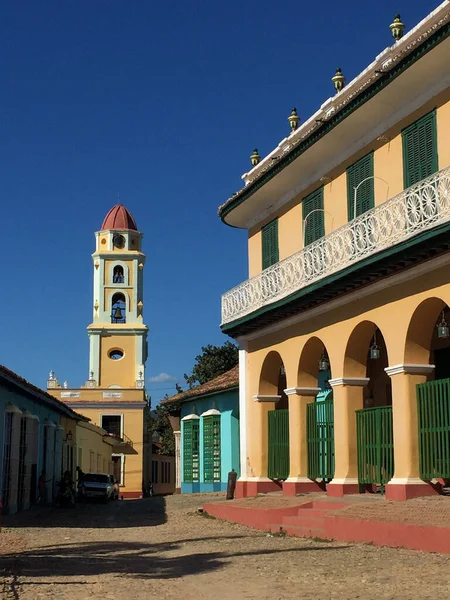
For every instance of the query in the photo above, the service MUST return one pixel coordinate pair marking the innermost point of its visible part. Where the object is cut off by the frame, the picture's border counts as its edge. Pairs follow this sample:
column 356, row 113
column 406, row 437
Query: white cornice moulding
column 349, row 381
column 383, row 62
column 302, row 391
column 262, row 398
column 410, row 369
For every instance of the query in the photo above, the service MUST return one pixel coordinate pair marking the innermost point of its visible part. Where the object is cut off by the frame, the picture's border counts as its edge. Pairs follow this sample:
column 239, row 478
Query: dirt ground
column 162, row 548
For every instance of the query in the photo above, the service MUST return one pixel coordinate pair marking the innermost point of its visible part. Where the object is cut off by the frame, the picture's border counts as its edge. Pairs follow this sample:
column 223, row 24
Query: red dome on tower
column 119, row 218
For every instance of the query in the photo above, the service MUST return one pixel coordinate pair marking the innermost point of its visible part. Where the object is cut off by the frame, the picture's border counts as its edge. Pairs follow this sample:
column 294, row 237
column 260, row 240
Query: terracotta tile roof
column 119, row 218
column 228, row 380
column 38, row 393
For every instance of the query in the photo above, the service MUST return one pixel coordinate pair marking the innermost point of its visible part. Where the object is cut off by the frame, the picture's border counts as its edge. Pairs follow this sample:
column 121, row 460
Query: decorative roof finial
column 255, row 157
column 339, row 80
column 91, row 375
column 293, row 119
column 51, row 376
column 397, row 28
column 65, row 385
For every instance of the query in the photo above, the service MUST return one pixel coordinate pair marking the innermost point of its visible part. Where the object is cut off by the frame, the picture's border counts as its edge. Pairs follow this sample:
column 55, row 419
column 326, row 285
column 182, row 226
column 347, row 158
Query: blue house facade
column 209, row 426
column 33, row 440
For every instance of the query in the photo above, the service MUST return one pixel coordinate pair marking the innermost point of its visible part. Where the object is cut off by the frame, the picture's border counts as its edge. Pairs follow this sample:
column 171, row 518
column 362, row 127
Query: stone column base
column 406, row 489
column 301, row 485
column 340, row 487
column 252, row 487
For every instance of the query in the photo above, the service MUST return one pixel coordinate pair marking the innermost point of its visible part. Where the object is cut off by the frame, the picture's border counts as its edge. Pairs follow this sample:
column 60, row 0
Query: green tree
column 212, row 362
column 159, row 423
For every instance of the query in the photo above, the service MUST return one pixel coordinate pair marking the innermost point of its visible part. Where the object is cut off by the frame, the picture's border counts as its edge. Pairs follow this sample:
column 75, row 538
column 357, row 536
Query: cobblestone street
column 162, row 548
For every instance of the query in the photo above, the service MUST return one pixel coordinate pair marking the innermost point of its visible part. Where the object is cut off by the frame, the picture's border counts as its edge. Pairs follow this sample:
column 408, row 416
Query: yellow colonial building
column 114, row 396
column 342, row 324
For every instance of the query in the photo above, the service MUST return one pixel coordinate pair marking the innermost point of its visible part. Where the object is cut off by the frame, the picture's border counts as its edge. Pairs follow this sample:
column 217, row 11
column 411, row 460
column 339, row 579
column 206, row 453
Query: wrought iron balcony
column 418, row 208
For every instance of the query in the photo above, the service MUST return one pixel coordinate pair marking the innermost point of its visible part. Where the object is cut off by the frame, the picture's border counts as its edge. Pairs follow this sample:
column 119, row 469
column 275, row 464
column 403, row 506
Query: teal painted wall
column 227, row 403
column 24, row 402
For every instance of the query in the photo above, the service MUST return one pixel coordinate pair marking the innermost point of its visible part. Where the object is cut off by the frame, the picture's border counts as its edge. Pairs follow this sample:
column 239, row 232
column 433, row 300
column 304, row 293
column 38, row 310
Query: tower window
column 118, row 276
column 112, row 424
column 118, row 312
column 115, row 354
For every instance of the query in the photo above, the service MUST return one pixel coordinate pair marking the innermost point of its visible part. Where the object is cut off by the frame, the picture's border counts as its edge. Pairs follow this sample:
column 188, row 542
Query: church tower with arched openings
column 118, row 336
column 113, row 397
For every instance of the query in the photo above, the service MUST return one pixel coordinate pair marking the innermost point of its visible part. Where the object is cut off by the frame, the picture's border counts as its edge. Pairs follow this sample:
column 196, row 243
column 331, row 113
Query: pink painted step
column 327, row 505
column 310, row 518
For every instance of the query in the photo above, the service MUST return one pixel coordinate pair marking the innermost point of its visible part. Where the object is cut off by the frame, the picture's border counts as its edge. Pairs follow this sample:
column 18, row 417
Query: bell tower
column 117, row 334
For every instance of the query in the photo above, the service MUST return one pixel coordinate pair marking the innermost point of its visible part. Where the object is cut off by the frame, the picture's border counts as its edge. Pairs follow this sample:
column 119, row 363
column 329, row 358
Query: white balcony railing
column 416, row 209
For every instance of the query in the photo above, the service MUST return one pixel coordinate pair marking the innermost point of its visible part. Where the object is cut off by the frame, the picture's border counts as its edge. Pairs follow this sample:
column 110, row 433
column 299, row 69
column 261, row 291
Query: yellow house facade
column 113, row 398
column 342, row 324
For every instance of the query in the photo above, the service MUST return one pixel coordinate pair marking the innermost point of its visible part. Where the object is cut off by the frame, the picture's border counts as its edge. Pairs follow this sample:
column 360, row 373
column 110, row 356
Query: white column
column 50, row 427
column 243, row 409
column 29, row 439
column 57, row 466
column 177, row 435
column 11, row 500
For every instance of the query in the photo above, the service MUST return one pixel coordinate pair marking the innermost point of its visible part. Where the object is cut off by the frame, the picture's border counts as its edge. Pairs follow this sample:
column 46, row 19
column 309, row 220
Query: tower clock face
column 119, row 241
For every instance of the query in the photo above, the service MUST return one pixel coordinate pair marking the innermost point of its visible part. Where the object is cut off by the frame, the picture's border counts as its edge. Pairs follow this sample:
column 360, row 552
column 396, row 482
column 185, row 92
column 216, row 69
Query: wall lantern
column 375, row 351
column 69, row 436
column 293, row 119
column 324, row 363
column 397, row 28
column 443, row 328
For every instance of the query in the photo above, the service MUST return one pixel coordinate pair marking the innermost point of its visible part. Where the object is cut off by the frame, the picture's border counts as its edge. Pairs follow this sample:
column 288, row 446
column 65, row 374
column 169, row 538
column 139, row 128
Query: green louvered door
column 278, row 444
column 320, row 439
column 420, row 157
column 313, row 221
column 433, row 411
column 270, row 244
column 211, row 448
column 356, row 174
column 375, row 441
column 191, row 447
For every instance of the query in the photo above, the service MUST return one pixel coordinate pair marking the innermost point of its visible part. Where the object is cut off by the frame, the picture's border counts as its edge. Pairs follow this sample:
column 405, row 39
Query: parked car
column 100, row 486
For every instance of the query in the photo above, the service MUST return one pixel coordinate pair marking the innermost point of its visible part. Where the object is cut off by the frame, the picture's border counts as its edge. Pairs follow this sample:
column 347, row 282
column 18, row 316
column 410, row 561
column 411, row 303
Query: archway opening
column 428, row 343
column 274, row 401
column 118, row 308
column 366, row 359
column 314, row 371
column 118, row 274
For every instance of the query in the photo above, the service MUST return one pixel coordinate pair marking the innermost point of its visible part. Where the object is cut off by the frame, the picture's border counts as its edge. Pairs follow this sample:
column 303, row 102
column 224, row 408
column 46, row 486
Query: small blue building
column 36, row 432
column 209, row 440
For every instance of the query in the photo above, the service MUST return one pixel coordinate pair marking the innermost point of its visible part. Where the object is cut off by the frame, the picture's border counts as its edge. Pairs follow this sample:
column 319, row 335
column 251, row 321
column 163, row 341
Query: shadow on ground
column 130, row 559
column 147, row 512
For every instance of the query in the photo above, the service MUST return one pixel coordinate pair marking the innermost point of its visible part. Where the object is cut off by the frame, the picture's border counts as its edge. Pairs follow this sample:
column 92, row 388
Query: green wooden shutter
column 420, row 157
column 314, row 227
column 211, row 448
column 270, row 244
column 190, row 451
column 356, row 173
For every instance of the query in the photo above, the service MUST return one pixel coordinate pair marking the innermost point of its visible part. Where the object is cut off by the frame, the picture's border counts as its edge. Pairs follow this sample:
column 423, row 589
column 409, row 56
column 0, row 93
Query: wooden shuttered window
column 356, row 174
column 191, row 446
column 313, row 222
column 211, row 448
column 270, row 244
column 420, row 157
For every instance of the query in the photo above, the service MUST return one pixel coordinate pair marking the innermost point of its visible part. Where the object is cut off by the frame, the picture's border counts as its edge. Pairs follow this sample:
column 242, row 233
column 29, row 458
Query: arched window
column 118, row 276
column 118, row 309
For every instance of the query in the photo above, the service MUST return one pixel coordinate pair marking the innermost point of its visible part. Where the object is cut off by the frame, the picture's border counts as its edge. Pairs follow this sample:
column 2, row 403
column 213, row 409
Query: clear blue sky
column 162, row 102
